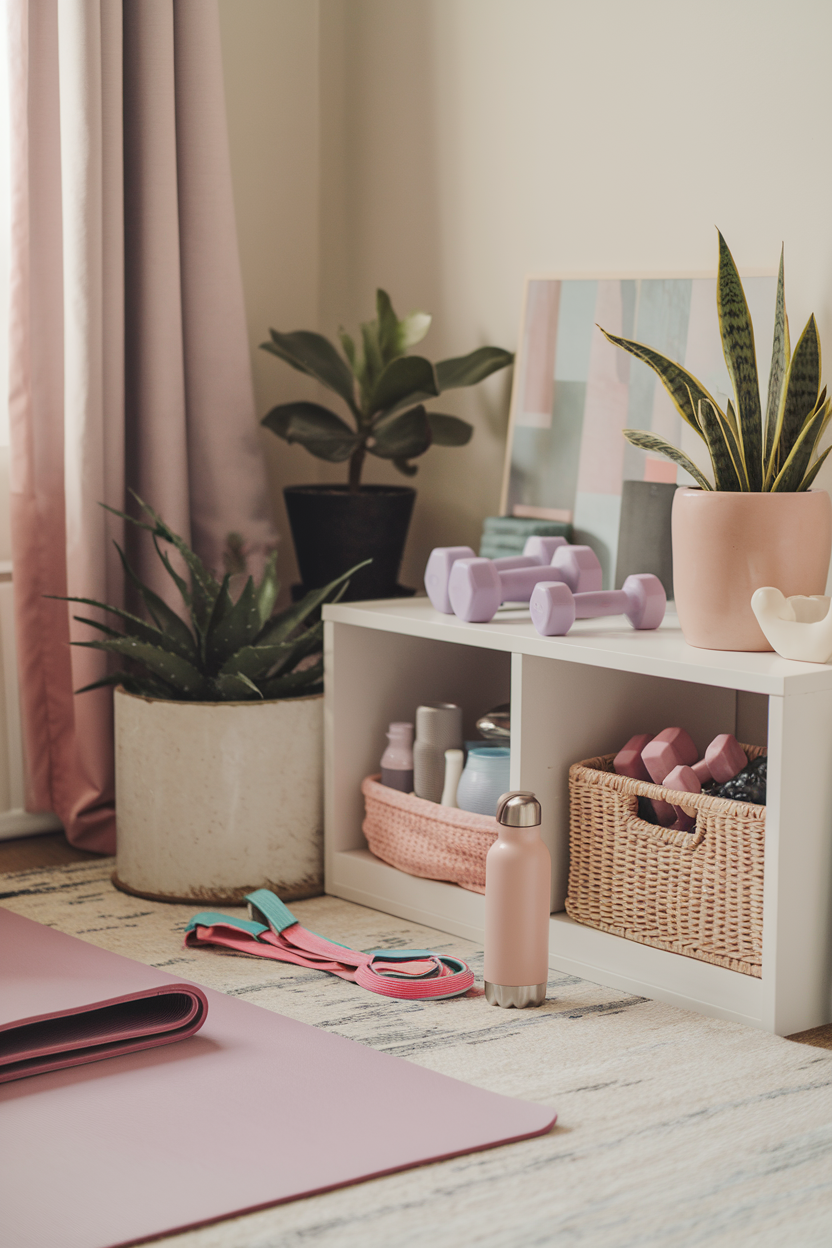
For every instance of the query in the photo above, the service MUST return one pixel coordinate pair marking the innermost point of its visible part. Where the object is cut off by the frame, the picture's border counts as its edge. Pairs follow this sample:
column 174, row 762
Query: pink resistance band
column 274, row 932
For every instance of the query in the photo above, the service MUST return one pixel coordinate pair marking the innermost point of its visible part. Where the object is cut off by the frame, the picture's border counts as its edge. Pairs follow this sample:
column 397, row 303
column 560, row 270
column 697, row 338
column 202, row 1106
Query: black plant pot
column 333, row 530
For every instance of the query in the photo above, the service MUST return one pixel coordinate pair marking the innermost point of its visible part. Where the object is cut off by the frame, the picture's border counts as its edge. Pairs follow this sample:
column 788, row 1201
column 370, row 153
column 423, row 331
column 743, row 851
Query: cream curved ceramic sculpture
column 799, row 627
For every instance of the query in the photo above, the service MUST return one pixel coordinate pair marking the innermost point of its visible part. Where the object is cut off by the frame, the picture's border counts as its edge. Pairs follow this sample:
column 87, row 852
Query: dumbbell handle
column 538, row 551
column 508, row 563
column 600, row 602
column 476, row 588
column 517, row 584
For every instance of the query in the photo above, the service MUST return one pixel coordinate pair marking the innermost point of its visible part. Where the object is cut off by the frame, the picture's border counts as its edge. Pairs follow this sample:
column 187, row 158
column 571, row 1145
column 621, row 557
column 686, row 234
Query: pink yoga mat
column 254, row 1110
column 61, row 1004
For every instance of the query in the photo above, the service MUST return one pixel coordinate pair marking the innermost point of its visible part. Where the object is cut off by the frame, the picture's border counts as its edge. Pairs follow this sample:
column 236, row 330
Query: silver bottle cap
column 519, row 809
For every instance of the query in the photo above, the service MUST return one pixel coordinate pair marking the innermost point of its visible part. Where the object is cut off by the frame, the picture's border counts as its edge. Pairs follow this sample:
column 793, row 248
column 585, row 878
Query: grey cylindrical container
column 438, row 728
column 517, row 891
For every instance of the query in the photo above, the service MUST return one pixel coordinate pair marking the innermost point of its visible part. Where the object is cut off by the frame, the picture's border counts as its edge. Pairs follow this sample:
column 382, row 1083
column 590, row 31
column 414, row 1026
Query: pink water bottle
column 517, row 895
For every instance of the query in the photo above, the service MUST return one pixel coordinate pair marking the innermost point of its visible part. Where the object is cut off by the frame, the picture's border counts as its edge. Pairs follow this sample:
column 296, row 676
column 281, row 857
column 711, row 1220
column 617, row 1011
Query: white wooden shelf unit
column 571, row 698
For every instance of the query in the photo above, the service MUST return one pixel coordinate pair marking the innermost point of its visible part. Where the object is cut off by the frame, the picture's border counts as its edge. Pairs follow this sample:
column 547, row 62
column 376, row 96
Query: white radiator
column 14, row 820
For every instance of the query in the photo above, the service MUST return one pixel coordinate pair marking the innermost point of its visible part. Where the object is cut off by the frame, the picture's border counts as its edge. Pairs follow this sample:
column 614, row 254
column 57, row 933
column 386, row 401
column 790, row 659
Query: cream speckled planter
column 214, row 799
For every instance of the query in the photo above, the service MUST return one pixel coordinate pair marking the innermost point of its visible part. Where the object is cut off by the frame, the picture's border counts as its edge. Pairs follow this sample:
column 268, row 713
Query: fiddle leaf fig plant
column 223, row 651
column 749, row 452
column 384, row 389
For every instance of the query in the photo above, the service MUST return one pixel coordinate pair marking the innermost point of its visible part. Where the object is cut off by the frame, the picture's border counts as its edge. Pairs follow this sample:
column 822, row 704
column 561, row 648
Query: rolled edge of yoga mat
column 64, row 1002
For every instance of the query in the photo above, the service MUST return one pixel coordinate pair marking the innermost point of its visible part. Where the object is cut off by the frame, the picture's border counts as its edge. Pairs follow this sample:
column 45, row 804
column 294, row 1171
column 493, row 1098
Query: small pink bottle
column 397, row 759
column 517, row 896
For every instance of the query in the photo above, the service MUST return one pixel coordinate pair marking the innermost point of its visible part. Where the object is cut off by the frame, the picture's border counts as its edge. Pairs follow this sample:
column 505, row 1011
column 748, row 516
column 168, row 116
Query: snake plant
column 226, row 651
column 778, row 452
column 383, row 388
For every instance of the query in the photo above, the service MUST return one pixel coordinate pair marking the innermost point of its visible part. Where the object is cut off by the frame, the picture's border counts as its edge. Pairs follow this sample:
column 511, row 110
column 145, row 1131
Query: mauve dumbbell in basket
column 537, row 552
column 724, row 759
column 668, row 751
column 673, row 747
column 671, row 760
column 477, row 589
column 628, row 762
column 555, row 607
column 684, row 780
column 670, row 748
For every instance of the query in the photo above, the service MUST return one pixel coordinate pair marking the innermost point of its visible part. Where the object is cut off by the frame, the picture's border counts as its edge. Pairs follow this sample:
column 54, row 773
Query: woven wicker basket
column 424, row 839
column 698, row 893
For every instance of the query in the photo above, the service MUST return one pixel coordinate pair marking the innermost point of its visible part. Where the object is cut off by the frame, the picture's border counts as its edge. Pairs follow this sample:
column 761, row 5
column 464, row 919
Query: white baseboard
column 14, row 823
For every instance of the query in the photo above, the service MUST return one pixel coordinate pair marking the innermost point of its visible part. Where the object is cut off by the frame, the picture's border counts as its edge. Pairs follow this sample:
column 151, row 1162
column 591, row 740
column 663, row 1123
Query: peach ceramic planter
column 727, row 545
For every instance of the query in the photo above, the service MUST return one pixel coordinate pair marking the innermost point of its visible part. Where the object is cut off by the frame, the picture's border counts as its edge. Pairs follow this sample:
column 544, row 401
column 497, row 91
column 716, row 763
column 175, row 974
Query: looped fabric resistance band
column 410, row 974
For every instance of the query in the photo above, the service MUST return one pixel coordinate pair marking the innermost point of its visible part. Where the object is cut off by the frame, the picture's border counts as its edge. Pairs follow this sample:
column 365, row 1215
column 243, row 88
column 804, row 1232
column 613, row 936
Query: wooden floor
column 53, row 850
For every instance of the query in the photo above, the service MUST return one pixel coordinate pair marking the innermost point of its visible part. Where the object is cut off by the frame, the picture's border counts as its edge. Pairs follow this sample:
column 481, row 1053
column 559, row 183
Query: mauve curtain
column 129, row 364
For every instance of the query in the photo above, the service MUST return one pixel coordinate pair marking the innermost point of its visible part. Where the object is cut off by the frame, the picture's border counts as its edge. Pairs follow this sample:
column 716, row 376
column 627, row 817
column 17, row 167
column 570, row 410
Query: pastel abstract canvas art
column 574, row 392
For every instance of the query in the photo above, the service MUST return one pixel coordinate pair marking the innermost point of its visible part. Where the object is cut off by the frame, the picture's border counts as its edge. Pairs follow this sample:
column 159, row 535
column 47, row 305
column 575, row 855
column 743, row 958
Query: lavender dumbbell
column 555, row 608
column 476, row 588
column 537, row 552
column 542, row 549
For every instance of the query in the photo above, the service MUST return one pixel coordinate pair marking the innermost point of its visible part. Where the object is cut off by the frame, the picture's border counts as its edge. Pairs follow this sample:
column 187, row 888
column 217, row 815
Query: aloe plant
column 225, row 651
column 748, row 452
column 383, row 388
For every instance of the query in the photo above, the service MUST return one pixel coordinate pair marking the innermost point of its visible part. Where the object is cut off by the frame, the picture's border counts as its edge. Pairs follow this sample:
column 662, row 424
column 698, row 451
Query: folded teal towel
column 506, row 535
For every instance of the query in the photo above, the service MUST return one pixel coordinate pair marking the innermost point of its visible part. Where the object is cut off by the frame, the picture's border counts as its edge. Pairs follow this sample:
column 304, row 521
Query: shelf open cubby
column 571, row 698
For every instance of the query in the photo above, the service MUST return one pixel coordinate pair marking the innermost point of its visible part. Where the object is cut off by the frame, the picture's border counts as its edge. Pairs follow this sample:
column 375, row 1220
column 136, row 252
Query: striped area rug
column 674, row 1129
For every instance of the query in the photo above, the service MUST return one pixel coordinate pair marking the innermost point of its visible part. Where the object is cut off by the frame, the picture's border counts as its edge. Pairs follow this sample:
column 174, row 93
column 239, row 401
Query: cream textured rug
column 674, row 1129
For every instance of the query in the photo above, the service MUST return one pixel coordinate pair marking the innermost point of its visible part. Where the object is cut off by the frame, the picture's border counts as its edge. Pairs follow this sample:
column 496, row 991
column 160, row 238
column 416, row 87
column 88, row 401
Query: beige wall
column 270, row 55
column 445, row 148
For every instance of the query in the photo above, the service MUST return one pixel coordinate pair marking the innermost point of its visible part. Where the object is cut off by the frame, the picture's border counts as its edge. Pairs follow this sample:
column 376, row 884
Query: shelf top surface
column 607, row 642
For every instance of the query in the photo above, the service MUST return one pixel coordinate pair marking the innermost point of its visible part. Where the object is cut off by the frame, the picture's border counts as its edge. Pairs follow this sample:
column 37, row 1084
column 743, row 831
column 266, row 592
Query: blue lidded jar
column 484, row 780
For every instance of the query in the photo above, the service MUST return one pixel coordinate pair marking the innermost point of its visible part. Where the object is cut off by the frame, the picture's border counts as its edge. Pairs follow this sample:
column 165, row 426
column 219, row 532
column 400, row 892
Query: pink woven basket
column 424, row 839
